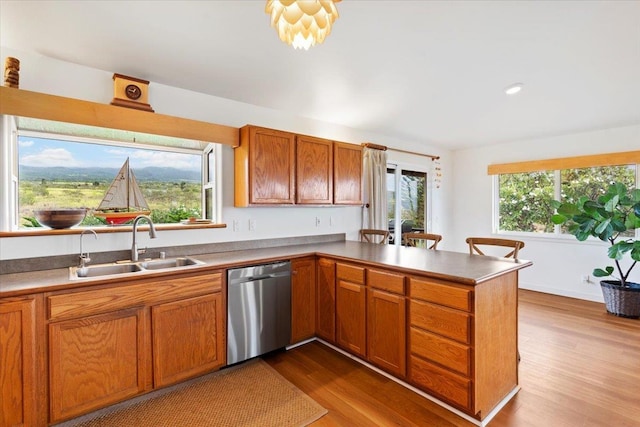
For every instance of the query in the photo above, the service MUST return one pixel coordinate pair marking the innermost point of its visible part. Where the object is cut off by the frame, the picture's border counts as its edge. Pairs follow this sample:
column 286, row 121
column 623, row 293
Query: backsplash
column 24, row 265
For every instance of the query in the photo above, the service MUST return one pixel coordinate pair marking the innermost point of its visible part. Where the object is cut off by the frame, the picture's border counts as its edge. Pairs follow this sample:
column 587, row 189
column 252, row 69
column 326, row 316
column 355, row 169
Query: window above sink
column 53, row 164
column 112, row 122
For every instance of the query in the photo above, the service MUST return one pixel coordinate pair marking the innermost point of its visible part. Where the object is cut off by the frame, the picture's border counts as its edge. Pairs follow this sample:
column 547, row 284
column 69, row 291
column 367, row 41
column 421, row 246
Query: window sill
column 43, row 231
column 549, row 238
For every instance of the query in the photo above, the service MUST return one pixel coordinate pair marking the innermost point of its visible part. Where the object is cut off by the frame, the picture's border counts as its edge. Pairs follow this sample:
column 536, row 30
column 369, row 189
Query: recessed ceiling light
column 513, row 89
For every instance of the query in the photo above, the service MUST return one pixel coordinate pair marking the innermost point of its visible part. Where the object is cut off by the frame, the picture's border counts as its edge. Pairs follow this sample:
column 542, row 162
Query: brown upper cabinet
column 281, row 168
column 347, row 174
column 264, row 167
column 314, row 170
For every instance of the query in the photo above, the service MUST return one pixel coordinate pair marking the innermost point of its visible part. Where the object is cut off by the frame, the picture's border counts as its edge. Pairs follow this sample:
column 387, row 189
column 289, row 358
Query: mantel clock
column 131, row 92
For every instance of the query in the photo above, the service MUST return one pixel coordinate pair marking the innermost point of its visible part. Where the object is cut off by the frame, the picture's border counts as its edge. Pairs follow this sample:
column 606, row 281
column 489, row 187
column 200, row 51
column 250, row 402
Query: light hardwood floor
column 580, row 367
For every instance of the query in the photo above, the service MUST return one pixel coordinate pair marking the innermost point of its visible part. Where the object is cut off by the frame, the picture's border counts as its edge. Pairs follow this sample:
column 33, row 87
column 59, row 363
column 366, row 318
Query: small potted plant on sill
column 609, row 218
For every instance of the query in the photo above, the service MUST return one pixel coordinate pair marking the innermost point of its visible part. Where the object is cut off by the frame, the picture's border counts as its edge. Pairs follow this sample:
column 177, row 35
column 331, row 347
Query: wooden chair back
column 410, row 239
column 371, row 235
column 516, row 245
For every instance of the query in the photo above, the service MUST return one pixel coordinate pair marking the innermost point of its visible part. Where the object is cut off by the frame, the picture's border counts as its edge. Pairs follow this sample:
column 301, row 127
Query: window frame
column 613, row 159
column 398, row 168
column 9, row 178
column 210, row 150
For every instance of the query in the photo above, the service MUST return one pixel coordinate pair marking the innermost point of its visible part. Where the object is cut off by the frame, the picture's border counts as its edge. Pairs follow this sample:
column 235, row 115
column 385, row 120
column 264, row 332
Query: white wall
column 461, row 207
column 43, row 74
column 558, row 264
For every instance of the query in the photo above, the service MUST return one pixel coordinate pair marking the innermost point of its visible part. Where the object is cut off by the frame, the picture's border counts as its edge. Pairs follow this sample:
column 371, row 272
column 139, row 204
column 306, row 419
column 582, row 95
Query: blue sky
column 50, row 152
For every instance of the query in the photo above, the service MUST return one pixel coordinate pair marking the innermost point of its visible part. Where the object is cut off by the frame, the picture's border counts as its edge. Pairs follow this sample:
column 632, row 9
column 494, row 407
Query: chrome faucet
column 134, row 245
column 84, row 258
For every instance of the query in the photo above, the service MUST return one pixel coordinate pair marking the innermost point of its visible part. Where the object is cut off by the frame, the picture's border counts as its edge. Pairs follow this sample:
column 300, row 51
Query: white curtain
column 375, row 189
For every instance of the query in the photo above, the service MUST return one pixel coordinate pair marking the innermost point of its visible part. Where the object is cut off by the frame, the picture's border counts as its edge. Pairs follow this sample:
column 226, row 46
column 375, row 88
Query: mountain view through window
column 58, row 174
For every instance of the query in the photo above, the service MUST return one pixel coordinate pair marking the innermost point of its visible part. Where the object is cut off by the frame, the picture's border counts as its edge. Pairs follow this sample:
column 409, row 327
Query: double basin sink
column 132, row 268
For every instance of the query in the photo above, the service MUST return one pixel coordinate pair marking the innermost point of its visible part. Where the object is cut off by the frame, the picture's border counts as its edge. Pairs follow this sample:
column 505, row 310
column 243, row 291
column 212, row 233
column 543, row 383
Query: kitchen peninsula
column 442, row 322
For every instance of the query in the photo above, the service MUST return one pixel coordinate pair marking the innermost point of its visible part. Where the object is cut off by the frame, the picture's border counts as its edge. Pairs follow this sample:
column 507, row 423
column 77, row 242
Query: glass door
column 406, row 201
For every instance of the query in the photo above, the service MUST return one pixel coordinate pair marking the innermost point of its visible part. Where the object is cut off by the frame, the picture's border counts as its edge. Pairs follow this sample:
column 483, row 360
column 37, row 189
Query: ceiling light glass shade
column 302, row 23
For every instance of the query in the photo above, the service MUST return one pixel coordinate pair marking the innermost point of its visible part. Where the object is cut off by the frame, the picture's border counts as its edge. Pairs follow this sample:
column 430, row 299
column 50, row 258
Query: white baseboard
column 438, row 402
column 298, row 344
column 563, row 292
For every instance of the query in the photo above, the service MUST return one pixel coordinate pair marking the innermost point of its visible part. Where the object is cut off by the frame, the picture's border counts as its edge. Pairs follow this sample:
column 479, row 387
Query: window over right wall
column 523, row 191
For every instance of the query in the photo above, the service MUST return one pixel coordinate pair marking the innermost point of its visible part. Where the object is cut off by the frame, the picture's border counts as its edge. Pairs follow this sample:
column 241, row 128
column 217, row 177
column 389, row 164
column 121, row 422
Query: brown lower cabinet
column 461, row 343
column 303, row 299
column 386, row 321
column 351, row 309
column 442, row 383
column 386, row 336
column 107, row 343
column 18, row 365
column 95, row 361
column 326, row 299
column 110, row 343
column 188, row 338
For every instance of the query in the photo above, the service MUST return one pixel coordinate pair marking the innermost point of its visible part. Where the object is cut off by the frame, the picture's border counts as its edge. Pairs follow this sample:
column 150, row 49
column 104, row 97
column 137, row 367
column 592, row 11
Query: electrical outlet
column 331, row 221
column 317, row 221
column 236, row 225
column 252, row 225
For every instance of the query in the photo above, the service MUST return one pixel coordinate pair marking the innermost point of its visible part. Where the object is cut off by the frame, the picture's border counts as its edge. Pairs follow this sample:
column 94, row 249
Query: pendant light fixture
column 302, row 23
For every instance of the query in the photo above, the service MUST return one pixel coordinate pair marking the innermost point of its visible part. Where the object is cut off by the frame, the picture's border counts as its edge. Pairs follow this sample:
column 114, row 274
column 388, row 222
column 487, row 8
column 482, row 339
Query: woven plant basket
column 623, row 302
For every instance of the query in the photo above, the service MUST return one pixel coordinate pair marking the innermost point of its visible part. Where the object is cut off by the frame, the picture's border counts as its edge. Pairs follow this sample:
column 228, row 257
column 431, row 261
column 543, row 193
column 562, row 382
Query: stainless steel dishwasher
column 259, row 310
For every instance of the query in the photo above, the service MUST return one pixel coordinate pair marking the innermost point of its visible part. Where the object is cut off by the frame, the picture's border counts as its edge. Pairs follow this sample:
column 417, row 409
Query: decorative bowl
column 60, row 218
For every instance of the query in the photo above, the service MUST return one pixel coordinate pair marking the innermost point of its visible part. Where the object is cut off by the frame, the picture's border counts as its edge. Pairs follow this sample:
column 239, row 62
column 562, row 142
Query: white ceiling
column 429, row 71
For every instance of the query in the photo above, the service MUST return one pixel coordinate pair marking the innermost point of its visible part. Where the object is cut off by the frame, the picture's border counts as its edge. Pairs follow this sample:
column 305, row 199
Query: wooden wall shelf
column 24, row 103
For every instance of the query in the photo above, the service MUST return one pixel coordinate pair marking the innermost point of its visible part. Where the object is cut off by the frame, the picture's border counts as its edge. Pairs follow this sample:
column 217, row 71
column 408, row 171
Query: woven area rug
column 250, row 394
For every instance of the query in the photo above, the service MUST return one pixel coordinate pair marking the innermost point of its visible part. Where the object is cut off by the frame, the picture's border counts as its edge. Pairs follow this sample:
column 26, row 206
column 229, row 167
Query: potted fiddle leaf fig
column 611, row 217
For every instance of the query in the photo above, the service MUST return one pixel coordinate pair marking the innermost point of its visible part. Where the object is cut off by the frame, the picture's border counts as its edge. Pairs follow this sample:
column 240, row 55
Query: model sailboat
column 123, row 200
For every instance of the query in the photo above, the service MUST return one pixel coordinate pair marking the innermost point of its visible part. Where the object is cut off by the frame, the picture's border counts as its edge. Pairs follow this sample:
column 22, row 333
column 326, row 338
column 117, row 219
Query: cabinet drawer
column 442, row 293
column 441, row 350
column 448, row 386
column 350, row 273
column 129, row 295
column 441, row 320
column 386, row 281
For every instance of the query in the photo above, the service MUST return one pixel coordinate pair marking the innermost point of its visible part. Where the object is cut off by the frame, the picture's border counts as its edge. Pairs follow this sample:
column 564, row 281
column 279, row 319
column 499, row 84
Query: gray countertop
column 454, row 266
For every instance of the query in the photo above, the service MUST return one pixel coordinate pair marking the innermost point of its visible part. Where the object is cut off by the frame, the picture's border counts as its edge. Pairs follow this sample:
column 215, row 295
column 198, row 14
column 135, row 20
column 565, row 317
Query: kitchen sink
column 104, row 270
column 158, row 264
column 133, row 268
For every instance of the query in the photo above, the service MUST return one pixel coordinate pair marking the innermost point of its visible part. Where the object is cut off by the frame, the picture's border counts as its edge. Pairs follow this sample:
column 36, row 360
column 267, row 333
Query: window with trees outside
column 523, row 199
column 63, row 171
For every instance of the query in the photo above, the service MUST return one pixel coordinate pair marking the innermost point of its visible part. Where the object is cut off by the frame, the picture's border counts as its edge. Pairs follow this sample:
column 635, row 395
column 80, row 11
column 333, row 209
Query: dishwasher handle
column 260, row 277
column 260, row 272
column 254, row 278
